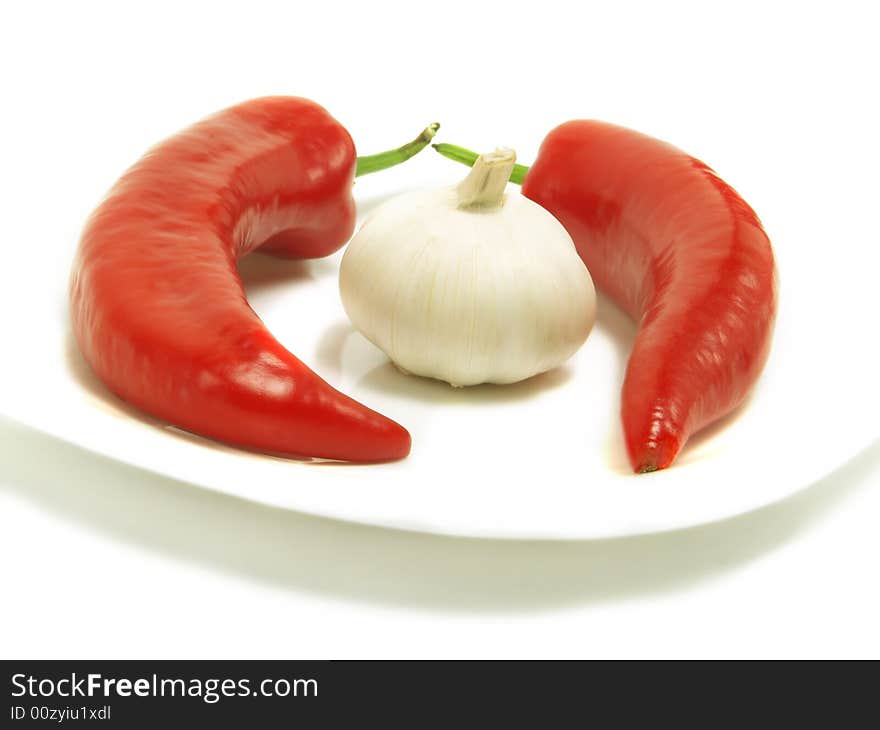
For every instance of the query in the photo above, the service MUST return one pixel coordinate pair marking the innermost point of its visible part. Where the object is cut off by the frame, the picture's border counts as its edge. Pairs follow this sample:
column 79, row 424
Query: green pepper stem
column 467, row 157
column 390, row 158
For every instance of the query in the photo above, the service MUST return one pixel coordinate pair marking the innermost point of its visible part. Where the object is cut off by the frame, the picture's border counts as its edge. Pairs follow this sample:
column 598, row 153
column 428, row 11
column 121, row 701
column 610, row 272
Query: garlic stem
column 484, row 186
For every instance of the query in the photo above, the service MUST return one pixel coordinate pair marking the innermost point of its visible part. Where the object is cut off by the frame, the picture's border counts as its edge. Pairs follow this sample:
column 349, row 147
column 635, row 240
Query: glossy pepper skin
column 681, row 252
column 159, row 310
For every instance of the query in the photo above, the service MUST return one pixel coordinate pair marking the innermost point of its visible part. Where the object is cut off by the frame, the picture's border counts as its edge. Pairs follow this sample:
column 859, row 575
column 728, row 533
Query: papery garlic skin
column 479, row 294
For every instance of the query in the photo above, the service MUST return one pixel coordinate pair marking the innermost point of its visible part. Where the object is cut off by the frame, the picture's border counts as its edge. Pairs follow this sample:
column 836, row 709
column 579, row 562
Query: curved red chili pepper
column 160, row 312
column 681, row 252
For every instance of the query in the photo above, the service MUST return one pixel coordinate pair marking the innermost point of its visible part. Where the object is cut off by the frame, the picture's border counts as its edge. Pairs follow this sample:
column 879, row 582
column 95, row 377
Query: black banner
column 163, row 694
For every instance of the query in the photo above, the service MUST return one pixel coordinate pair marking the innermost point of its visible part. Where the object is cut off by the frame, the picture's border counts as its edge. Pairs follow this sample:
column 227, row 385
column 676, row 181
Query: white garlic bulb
column 468, row 284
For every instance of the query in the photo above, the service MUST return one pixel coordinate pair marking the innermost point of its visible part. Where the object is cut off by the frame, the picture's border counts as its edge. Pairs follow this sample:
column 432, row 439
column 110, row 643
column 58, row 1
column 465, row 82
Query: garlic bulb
column 467, row 284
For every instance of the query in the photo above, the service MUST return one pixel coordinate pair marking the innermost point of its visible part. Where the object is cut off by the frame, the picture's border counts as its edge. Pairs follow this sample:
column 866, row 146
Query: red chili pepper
column 682, row 253
column 160, row 312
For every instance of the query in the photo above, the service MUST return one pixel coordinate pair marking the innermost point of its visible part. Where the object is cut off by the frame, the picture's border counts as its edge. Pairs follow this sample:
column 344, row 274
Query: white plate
column 542, row 459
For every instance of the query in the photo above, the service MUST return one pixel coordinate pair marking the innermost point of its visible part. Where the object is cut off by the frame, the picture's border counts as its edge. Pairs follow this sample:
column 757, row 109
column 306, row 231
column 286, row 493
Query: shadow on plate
column 617, row 326
column 388, row 380
column 621, row 331
column 263, row 273
column 368, row 204
column 375, row 565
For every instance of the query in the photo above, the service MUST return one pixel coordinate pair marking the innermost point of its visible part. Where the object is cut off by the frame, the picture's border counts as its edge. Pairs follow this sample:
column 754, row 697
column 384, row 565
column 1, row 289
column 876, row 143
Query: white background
column 100, row 559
